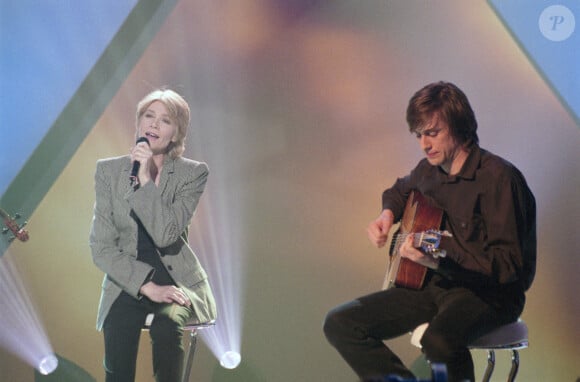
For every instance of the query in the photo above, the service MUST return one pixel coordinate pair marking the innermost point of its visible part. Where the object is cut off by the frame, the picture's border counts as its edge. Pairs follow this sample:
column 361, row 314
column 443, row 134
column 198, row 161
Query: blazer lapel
column 166, row 173
column 125, row 181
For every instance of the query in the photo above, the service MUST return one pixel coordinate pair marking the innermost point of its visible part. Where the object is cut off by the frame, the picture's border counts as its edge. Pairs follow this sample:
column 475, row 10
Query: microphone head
column 142, row 139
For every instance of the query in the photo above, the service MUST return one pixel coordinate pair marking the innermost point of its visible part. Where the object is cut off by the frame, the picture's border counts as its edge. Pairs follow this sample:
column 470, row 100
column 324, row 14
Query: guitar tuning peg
column 439, row 253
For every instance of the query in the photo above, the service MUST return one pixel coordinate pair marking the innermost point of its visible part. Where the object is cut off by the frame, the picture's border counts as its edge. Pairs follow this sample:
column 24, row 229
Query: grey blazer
column 165, row 211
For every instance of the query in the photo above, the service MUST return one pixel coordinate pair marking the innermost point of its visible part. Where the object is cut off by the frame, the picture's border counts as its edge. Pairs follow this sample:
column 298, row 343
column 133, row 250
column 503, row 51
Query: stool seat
column 512, row 336
column 198, row 325
column 193, row 325
column 509, row 336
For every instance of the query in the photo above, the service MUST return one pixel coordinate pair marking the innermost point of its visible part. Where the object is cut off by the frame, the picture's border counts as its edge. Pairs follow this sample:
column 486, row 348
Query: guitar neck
column 418, row 239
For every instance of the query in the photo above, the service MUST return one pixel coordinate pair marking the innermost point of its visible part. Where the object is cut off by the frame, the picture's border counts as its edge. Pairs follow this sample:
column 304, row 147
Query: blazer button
column 170, row 267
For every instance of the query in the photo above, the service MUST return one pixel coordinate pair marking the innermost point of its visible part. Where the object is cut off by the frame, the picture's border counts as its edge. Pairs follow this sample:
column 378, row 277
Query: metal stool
column 192, row 328
column 512, row 337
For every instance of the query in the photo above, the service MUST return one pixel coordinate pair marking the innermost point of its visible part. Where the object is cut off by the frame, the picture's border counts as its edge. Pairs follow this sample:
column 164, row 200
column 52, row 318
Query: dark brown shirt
column 491, row 213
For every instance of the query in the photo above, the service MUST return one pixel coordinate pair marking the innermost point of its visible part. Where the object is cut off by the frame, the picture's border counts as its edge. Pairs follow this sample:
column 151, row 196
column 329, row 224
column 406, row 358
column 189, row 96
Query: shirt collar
column 471, row 163
column 469, row 167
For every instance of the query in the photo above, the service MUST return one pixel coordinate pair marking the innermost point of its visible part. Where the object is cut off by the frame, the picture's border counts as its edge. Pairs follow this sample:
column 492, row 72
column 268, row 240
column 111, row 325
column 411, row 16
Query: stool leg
column 190, row 353
column 490, row 365
column 515, row 365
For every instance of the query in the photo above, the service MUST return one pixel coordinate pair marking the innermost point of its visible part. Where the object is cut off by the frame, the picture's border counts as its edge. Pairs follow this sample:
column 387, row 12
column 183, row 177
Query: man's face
column 439, row 146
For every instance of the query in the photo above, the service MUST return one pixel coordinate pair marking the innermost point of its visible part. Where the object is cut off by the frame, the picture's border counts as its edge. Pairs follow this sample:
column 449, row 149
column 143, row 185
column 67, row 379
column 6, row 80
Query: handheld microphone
column 136, row 164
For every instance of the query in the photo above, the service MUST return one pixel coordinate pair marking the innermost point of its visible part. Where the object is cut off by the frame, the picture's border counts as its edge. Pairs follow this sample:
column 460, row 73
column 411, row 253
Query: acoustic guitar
column 422, row 221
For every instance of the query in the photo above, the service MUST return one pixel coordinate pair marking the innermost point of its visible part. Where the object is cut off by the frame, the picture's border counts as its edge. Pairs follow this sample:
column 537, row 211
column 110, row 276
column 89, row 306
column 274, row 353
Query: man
column 490, row 251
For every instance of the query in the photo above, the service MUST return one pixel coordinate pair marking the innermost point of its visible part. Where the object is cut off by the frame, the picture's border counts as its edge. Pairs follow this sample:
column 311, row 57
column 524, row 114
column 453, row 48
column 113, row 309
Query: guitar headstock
column 13, row 227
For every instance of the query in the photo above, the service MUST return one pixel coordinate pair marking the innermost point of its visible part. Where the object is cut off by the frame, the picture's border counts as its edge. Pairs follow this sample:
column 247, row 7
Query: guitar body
column 418, row 216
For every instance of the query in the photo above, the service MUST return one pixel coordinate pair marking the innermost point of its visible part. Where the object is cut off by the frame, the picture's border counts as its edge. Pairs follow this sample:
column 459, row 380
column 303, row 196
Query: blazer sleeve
column 117, row 261
column 167, row 216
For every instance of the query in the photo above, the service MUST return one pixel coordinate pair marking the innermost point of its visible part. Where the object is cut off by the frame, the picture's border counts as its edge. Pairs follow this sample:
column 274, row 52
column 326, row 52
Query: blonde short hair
column 178, row 111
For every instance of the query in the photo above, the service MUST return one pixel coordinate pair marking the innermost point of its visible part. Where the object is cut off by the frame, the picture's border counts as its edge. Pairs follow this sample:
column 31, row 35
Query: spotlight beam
column 22, row 332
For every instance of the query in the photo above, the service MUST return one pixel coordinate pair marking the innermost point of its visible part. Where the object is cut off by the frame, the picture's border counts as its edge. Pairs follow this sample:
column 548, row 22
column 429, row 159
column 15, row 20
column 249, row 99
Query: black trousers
column 456, row 317
column 122, row 330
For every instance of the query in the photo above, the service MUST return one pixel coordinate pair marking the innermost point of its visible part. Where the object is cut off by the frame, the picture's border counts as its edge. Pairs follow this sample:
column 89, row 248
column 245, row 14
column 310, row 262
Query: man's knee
column 338, row 325
column 331, row 326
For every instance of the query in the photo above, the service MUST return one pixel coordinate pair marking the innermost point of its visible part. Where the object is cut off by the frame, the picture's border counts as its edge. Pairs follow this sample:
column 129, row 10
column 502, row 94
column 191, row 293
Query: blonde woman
column 138, row 239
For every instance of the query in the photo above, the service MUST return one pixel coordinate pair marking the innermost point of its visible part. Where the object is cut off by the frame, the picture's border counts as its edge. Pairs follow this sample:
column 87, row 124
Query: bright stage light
column 47, row 364
column 218, row 232
column 218, row 236
column 22, row 332
column 224, row 266
column 230, row 359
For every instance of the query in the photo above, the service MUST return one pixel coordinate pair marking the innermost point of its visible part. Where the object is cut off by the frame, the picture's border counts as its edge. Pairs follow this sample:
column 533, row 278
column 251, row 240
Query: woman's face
column 157, row 126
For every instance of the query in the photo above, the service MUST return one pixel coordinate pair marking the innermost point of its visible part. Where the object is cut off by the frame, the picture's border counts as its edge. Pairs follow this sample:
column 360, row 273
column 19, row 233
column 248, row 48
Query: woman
column 139, row 240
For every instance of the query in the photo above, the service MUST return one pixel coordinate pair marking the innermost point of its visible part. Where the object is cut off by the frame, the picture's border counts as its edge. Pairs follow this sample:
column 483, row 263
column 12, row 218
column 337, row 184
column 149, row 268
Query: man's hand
column 378, row 229
column 408, row 251
column 164, row 294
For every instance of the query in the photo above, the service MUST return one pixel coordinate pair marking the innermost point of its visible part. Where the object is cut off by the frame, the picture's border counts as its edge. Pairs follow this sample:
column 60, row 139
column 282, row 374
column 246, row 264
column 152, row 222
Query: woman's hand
column 142, row 153
column 164, row 294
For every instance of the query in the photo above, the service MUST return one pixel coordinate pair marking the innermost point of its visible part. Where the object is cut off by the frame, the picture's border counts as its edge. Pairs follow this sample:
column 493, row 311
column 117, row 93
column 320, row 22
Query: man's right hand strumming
column 378, row 229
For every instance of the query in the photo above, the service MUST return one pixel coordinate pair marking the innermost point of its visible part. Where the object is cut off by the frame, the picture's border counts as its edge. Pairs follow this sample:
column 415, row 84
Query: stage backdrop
column 298, row 108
